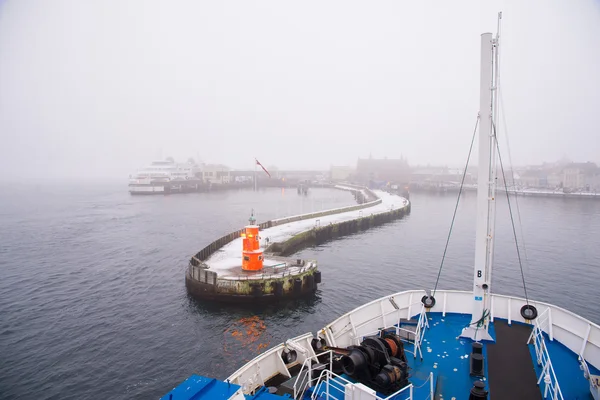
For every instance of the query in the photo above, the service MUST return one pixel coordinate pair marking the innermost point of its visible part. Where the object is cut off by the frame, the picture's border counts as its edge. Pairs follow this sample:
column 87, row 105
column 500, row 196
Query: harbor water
column 93, row 302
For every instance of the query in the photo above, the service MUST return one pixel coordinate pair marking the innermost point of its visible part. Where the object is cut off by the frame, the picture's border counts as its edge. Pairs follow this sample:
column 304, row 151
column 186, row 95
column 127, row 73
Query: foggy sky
column 92, row 89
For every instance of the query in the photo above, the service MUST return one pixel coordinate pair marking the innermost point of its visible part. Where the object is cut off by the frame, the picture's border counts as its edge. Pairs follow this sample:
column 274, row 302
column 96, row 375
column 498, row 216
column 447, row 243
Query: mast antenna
column 498, row 28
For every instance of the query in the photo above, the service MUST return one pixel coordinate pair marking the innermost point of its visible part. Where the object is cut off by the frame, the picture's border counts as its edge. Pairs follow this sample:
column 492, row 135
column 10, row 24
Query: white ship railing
column 594, row 380
column 551, row 386
column 418, row 334
column 304, row 381
column 326, row 379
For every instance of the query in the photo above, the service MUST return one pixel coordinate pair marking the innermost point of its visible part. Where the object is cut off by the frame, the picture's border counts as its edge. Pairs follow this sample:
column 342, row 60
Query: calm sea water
column 92, row 296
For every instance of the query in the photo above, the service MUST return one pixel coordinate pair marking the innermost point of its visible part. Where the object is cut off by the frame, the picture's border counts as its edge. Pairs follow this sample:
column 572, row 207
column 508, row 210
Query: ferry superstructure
column 164, row 176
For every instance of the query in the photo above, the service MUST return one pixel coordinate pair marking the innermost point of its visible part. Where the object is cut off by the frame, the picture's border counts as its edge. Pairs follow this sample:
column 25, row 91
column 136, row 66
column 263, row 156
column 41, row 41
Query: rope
column 456, row 207
column 512, row 173
column 423, row 384
column 479, row 323
column 512, row 221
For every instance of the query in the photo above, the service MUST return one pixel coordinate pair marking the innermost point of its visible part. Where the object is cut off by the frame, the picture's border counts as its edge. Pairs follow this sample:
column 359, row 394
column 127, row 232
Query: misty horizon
column 97, row 90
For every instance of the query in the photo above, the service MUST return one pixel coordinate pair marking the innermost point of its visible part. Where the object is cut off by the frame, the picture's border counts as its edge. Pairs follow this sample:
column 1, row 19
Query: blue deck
column 446, row 356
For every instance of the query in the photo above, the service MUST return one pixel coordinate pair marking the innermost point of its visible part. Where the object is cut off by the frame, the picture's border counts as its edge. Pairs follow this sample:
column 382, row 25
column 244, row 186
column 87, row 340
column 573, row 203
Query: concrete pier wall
column 203, row 283
column 321, row 234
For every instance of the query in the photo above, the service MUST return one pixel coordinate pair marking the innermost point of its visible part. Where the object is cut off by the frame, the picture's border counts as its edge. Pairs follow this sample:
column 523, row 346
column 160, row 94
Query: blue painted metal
column 200, row 387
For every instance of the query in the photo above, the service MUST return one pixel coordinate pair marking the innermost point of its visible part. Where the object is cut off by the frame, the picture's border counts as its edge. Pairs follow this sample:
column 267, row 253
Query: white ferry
column 166, row 176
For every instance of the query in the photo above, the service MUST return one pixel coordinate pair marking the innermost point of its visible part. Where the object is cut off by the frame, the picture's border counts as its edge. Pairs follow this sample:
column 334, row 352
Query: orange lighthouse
column 252, row 255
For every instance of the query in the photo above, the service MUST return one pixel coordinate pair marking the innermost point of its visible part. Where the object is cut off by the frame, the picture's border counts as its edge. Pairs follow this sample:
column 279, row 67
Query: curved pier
column 215, row 272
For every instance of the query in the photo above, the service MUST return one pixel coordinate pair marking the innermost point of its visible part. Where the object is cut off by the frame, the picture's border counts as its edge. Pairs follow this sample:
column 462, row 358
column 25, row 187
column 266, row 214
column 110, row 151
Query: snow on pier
column 229, row 256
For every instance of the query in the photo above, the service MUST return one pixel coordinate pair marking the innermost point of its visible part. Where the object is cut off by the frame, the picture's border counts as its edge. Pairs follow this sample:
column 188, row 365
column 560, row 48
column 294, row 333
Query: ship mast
column 486, row 193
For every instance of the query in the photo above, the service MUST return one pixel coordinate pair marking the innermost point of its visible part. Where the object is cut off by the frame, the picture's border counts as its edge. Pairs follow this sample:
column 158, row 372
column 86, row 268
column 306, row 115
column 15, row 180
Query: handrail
column 307, row 266
column 431, row 387
column 419, row 333
column 593, row 380
column 305, row 383
column 424, row 323
column 551, row 385
column 328, row 375
column 360, row 325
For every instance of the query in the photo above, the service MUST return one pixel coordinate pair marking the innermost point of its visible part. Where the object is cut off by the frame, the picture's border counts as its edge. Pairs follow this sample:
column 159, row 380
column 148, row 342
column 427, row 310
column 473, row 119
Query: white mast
column 486, row 195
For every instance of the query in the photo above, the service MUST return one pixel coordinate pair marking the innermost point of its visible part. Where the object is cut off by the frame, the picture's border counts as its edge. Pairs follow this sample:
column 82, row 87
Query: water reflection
column 244, row 330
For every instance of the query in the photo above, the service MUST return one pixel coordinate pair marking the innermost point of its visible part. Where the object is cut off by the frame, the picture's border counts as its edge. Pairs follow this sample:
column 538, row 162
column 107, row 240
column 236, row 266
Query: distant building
column 580, row 176
column 593, row 183
column 570, row 176
column 372, row 170
column 533, row 178
column 300, row 176
column 555, row 179
column 216, row 173
column 341, row 173
column 436, row 176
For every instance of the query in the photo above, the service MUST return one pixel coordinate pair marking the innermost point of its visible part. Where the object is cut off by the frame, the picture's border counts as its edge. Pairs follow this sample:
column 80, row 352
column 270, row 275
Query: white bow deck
column 567, row 338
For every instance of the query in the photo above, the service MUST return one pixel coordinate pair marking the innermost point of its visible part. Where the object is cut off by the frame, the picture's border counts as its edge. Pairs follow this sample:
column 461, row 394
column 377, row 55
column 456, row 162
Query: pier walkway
column 229, row 256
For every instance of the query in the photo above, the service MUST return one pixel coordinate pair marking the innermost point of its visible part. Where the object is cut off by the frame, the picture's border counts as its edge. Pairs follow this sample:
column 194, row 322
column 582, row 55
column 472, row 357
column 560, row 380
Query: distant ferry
column 166, row 176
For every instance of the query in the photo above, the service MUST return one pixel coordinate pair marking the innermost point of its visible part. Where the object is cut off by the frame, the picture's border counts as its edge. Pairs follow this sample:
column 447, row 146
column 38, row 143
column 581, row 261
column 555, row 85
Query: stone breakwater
column 214, row 272
column 321, row 234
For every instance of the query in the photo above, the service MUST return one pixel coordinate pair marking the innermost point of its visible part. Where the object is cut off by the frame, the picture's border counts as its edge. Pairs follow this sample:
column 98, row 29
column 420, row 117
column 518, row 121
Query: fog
column 97, row 89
